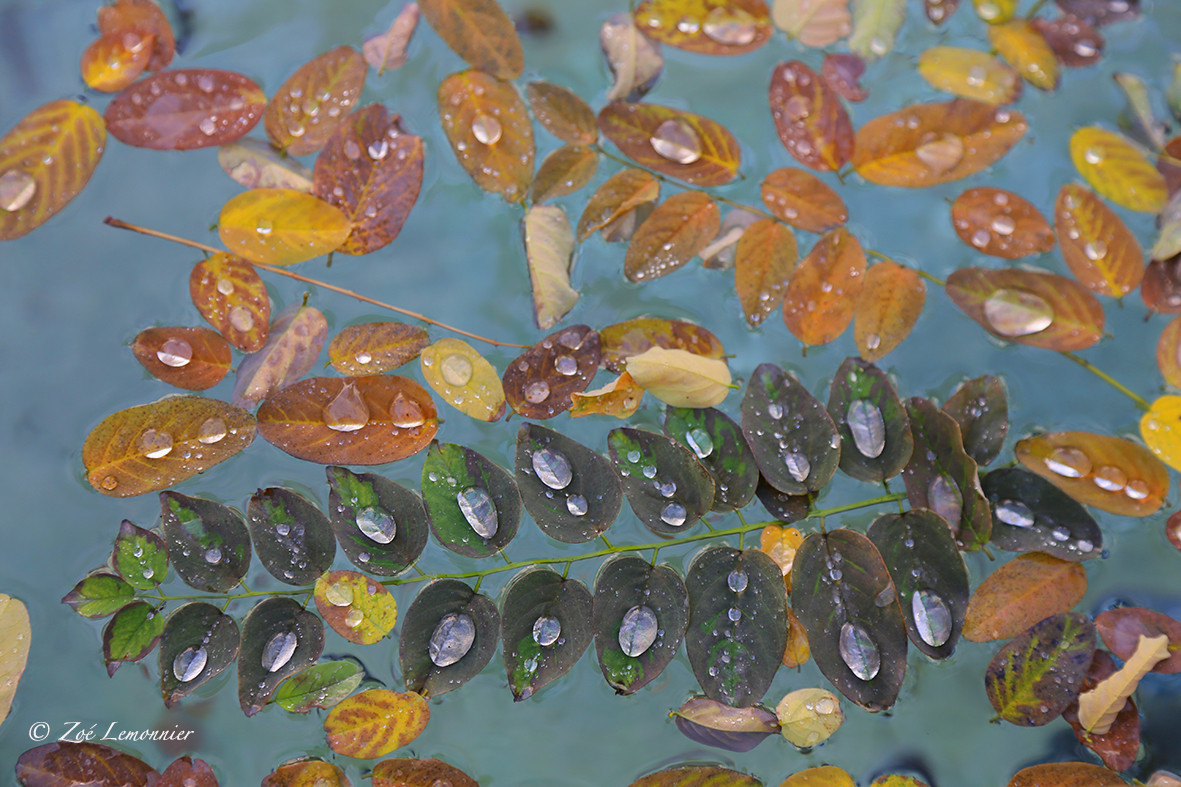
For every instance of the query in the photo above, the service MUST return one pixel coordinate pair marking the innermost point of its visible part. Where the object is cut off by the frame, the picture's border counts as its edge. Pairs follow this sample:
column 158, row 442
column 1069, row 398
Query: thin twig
column 1140, row 401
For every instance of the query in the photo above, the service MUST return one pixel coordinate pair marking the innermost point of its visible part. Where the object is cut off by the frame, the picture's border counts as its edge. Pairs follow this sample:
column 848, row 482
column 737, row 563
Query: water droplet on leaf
column 867, row 426
column 552, row 468
column 452, row 639
column 347, row 412
column 278, row 650
column 859, row 652
column 932, row 617
column 637, row 630
column 479, row 510
column 546, row 630
column 189, row 663
column 677, row 141
column 1017, row 313
column 175, row 352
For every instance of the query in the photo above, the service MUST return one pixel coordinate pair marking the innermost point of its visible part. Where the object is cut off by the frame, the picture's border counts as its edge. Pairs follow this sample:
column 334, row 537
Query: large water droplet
column 537, row 391
column 354, row 617
column 486, row 129
column 279, row 650
column 859, row 652
column 546, row 630
column 1110, row 478
column 676, row 140
column 479, row 510
column 17, row 188
column 941, row 154
column 339, row 594
column 1017, row 313
column 155, row 444
column 1015, row 513
column 700, row 441
column 376, row 524
column 1003, row 225
column 1068, row 462
column 868, row 427
column 673, row 514
column 212, row 430
column 552, row 468
column 456, row 369
column 737, row 580
column 730, row 26
column 566, row 365
column 637, row 630
column 944, row 499
column 452, row 639
column 189, row 663
column 175, row 352
column 576, row 505
column 264, row 227
column 798, row 465
column 213, row 556
column 241, row 319
column 932, row 617
column 404, row 413
column 347, row 412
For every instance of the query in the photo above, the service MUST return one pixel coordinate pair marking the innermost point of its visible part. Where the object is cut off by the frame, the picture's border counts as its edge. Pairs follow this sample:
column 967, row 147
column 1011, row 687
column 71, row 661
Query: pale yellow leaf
column 463, row 378
column 15, row 638
column 1098, row 707
column 681, row 378
column 809, row 716
column 549, row 249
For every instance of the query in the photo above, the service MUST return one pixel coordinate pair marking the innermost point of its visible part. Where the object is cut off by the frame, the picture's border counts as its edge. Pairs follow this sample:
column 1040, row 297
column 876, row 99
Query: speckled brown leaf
column 677, row 230
column 1161, row 286
column 143, row 15
column 1023, row 45
column 1066, row 774
column 679, row 144
column 539, row 382
column 697, row 776
column 763, row 264
column 820, row 298
column 811, row 120
column 489, row 130
column 1122, row 628
column 281, row 226
column 884, row 313
column 1020, row 593
column 232, row 297
column 306, row 773
column 65, row 764
column 803, row 200
column 187, row 772
column 622, row 340
column 190, row 358
column 1168, row 353
column 375, row 722
column 307, row 108
column 618, row 197
column 563, row 113
column 375, row 347
column 419, row 773
column 480, row 32
column 564, row 171
column 998, row 222
column 388, row 50
column 1074, row 41
column 1101, row 12
column 292, row 349
column 184, row 109
column 708, row 27
column 970, row 73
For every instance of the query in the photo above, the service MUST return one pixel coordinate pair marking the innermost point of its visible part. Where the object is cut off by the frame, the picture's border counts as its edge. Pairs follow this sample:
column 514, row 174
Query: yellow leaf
column 824, row 776
column 375, row 722
column 464, row 379
column 808, row 717
column 680, row 378
column 281, row 226
column 16, row 635
column 1161, row 429
column 816, row 23
column 970, row 73
column 620, row 398
column 995, row 11
column 1098, row 707
column 357, row 608
column 1025, row 47
column 549, row 249
column 1118, row 170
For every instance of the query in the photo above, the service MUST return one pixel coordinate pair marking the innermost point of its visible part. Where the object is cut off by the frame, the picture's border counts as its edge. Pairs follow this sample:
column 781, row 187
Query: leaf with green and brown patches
column 697, row 776
column 981, row 407
column 69, row 763
column 292, row 537
column 131, row 634
column 1096, row 244
column 871, row 420
column 232, row 297
column 293, row 346
column 891, row 300
column 1036, row 676
column 449, row 634
column 667, row 488
column 732, row 27
column 720, row 446
column 803, row 200
column 549, row 251
column 306, row 773
column 279, row 639
column 1020, row 593
column 810, row 118
column 820, row 298
column 208, row 542
column 563, row 113
column 189, row 358
column 375, row 347
column 564, row 171
column 99, row 594
column 1000, row 223
column 540, row 382
column 419, row 773
column 617, row 199
column 184, row 109
column 1029, row 514
column 307, row 109
column 139, row 556
column 622, row 340
column 679, row 144
column 380, row 525
column 480, row 32
column 489, row 130
column 473, row 504
column 545, row 626
column 198, row 643
column 763, row 264
column 357, row 608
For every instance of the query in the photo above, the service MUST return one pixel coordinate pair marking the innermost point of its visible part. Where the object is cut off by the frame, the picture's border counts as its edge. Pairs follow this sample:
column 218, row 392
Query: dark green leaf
column 139, row 556
column 786, row 508
column 1029, row 514
column 654, row 604
column 292, row 537
column 737, row 623
column 546, row 625
column 720, row 445
column 446, row 612
column 207, row 541
column 571, row 491
column 99, row 595
column 981, row 408
column 539, row 382
column 842, row 593
column 381, row 526
column 667, row 488
column 929, row 577
column 319, row 686
column 794, row 440
column 1033, row 678
column 871, row 420
column 131, row 634
column 713, row 723
column 473, row 505
column 199, row 641
column 279, row 639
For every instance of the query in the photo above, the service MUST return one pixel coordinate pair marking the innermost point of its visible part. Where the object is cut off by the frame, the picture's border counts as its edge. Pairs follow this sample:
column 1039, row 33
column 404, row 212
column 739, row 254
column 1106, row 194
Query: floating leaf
column 563, row 113
column 198, row 643
column 1020, row 42
column 1168, row 241
column 571, row 492
column 1101, row 12
column 763, row 263
column 131, row 634
column 540, row 382
column 726, row 28
column 388, row 50
column 418, row 773
column 153, row 446
column 680, row 144
column 464, row 378
column 545, row 626
column 697, row 776
column 190, row 358
column 115, row 60
column 620, row 398
column 1000, row 223
column 1123, row 627
column 564, row 171
column 281, row 226
column 842, row 72
column 549, row 250
column 292, row 349
column 187, row 772
column 680, row 378
column 68, row 763
column 375, row 722
column 623, row 340
column 306, row 773
column 473, row 504
column 1096, row 244
column 1075, row 41
column 816, row 23
column 859, row 642
column 14, row 628
column 370, row 169
column 803, row 200
column 1033, row 678
column 927, row 144
column 619, row 198
column 1072, row 461
column 99, row 595
column 635, row 60
column 307, row 108
column 667, row 488
column 256, row 165
column 1022, row 592
column 797, row 653
column 207, row 541
column 871, row 421
column 488, row 128
column 1066, row 774
column 640, row 615
column 1161, row 286
column 939, row 11
column 380, row 525
column 376, row 347
column 811, row 120
column 781, row 544
column 875, row 26
column 720, row 446
column 400, row 420
column 448, row 636
column 784, row 507
column 970, row 73
column 808, row 717
column 1029, row 514
column 143, row 16
column 820, row 298
column 357, row 608
column 1029, row 307
column 279, row 639
column 232, row 297
column 1120, row 746
column 824, row 776
column 291, row 536
column 981, row 408
column 885, row 312
column 479, row 32
column 995, row 12
column 1099, row 707
column 184, row 109
column 717, row 724
column 67, row 135
column 139, row 556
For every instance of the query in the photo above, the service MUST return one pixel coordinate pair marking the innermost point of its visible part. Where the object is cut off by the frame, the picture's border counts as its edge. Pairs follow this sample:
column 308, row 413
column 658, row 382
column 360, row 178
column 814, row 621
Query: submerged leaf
column 717, row 724
column 635, row 60
column 256, row 165
column 292, row 349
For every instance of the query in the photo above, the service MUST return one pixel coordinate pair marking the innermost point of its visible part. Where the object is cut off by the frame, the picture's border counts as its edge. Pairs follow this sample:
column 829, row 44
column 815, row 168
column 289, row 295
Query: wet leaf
column 679, row 144
column 71, row 137
column 540, row 382
column 1120, row 746
column 255, row 164
column 1168, row 241
column 620, row 196
column 139, row 556
column 357, row 608
column 370, row 169
column 190, row 358
column 843, row 73
column 99, row 595
column 1022, row 592
column 448, row 636
column 198, row 643
column 713, row 723
column 726, row 28
column 1101, row 12
column 376, row 347
column 184, row 109
column 1074, row 41
column 549, row 250
column 291, row 536
column 895, row 780
column 927, row 144
column 545, row 625
column 279, row 639
column 970, row 73
column 1098, row 247
column 115, row 60
column 666, row 486
column 281, row 226
column 875, row 27
column 942, row 477
column 564, row 171
column 696, row 776
column 187, row 772
column 1066, row 774
column 939, row 11
column 781, row 544
column 463, row 378
column 375, row 722
column 737, row 623
column 763, row 263
column 571, row 492
column 635, row 60
column 1099, row 707
column 1033, row 678
column 620, row 398
column 823, row 776
column 1161, row 286
column 803, row 200
column 811, row 120
column 563, row 113
column 306, row 773
column 69, row 763
column 858, row 642
column 808, row 717
column 1023, row 45
column 307, row 108
column 293, row 346
column 380, row 525
column 144, row 16
column 488, row 127
column 1029, row 307
column 998, row 222
column 401, row 420
column 1029, row 514
column 640, row 615
column 820, row 298
column 1117, row 169
column 624, row 340
column 153, row 446
column 680, row 378
column 473, row 505
column 720, row 446
column 816, row 23
column 884, row 313
column 929, row 576
column 1123, row 627
column 14, row 628
column 388, row 50
column 232, row 297
column 479, row 32
column 418, row 773
column 871, row 421
column 131, row 634
column 1071, row 461
column 784, row 507
column 207, row 541
column 981, row 407
column 797, row 653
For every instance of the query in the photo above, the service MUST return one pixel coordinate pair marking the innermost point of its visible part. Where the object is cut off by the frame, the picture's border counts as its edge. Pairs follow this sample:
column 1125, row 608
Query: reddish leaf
column 388, row 49
column 563, row 113
column 1101, row 12
column 706, row 26
column 115, row 60
column 675, row 232
column 232, row 298
column 1122, row 628
column 625, row 339
column 1096, row 244
column 191, row 358
column 803, row 200
column 540, row 382
column 1161, row 286
column 375, row 722
column 480, row 32
column 187, row 772
column 820, row 298
column 1168, row 353
column 891, row 300
column 1173, row 530
column 842, row 72
column 1022, row 592
column 314, row 101
column 65, row 764
column 564, row 171
column 292, row 347
column 1066, row 774
column 306, row 773
column 1000, row 223
column 1119, row 746
column 812, row 123
column 763, row 264
column 376, row 347
column 142, row 15
column 185, row 109
column 489, row 130
column 619, row 197
column 419, row 773
column 680, row 144
column 1073, row 40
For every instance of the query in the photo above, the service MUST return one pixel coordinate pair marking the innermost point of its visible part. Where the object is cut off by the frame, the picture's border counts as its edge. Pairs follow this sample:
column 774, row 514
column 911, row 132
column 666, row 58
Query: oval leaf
column 697, row 776
column 764, row 260
column 232, row 297
column 1066, row 774
column 1022, row 592
column 885, row 311
column 281, row 226
column 820, row 298
column 307, row 108
column 435, row 650
column 473, row 504
column 357, row 608
column 633, row 337
column 539, row 383
column 545, row 626
column 375, row 722
column 319, row 686
column 131, row 634
column 564, row 171
column 714, row 723
column 1023, row 45
column 635, row 60
column 1029, row 514
column 419, row 773
column 380, row 525
column 1000, row 223
column 871, row 420
column 142, row 15
column 620, row 196
column 1096, row 244
column 679, row 144
column 571, row 491
column 293, row 346
column 207, row 541
column 69, row 763
column 811, row 120
column 549, row 249
column 1123, row 628
column 680, row 378
column 803, row 200
column 667, row 488
column 816, row 23
column 488, row 128
column 1035, row 677
column 463, row 378
column 190, row 358
column 291, row 536
column 1117, row 169
column 981, row 408
column 14, row 627
column 99, row 595
column 375, row 347
column 478, row 31
column 970, row 73
column 279, row 639
column 563, row 113
column 727, row 28
column 198, row 643
column 673, row 234
column 306, row 772
column 256, row 165
column 139, row 556
column 720, row 446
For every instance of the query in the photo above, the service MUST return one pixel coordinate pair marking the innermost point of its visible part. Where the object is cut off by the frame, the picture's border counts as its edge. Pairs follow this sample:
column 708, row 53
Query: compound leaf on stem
column 1098, row 247
column 571, row 492
column 1020, row 593
column 281, row 226
column 871, row 421
column 667, row 488
column 131, row 634
column 232, row 297
column 190, row 358
column 140, row 556
column 764, row 260
column 463, row 378
column 546, row 625
column 1029, row 514
column 720, row 446
column 820, row 299
column 488, row 127
column 563, row 113
column 811, row 120
column 380, row 525
column 478, row 31
column 375, row 722
column 448, row 636
column 208, row 542
column 292, row 537
column 540, row 382
column 314, row 101
column 709, row 28
column 472, row 503
column 679, row 144
column 279, row 639
column 376, row 347
column 1000, row 223
column 199, row 641
column 357, row 608
column 885, row 311
column 981, row 408
column 1036, row 676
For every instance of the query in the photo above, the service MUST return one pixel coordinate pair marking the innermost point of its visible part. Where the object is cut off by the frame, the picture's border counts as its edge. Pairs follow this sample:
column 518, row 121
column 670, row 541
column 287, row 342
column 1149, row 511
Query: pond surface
column 75, row 293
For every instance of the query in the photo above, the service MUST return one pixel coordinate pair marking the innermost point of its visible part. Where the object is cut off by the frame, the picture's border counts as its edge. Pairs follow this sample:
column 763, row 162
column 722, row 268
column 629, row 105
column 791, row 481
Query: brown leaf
column 927, row 144
column 257, row 165
column 1023, row 45
column 115, row 60
column 478, row 31
column 677, row 230
column 635, row 60
column 1073, row 40
column 1023, row 591
column 190, row 358
column 1118, row 747
column 1000, row 223
column 763, row 264
column 540, row 382
column 308, row 107
column 618, row 197
column 620, row 398
column 563, row 113
column 1161, row 286
column 1168, row 353
column 419, row 773
column 939, row 11
column 680, row 144
column 306, row 773
column 891, row 300
column 811, row 120
column 798, row 652
column 293, row 346
column 1101, row 12
column 375, row 347
column 842, row 72
column 803, row 200
column 388, row 49
column 399, row 420
column 564, row 171
column 820, row 298
column 231, row 296
column 65, row 764
column 375, row 722
column 622, row 340
column 709, row 28
column 143, row 15
column 488, row 128
column 187, row 772
column 1066, row 774
column 185, row 109
column 1122, row 628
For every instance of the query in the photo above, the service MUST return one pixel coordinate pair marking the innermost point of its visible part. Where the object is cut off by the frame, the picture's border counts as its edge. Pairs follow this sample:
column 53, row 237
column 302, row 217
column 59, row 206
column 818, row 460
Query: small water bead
column 859, row 652
column 109, row 482
column 241, row 319
column 175, row 352
column 278, row 650
column 566, row 365
column 1068, row 462
column 734, row 614
column 1017, row 313
column 673, row 514
column 452, row 638
column 1093, row 156
column 347, row 412
column 404, row 413
column 867, row 426
column 377, row 525
column 649, row 471
column 339, row 594
column 553, row 468
column 688, row 26
column 576, row 505
column 1084, row 545
column 730, row 26
column 17, row 189
column 189, row 663
column 282, row 528
column 537, row 392
column 155, row 444
column 637, row 630
column 1003, row 225
column 1015, row 513
column 207, row 126
column 1084, row 48
column 225, row 286
column 264, row 227
column 737, row 580
column 456, row 369
column 1137, row 489
column 980, row 238
column 379, row 149
column 932, row 617
column 486, row 129
column 352, row 150
column 479, row 510
column 700, row 441
column 212, row 430
column 1060, row 534
column 1109, row 478
column 944, row 498
column 677, row 141
column 667, row 489
column 775, row 410
column 546, row 630
column 797, row 465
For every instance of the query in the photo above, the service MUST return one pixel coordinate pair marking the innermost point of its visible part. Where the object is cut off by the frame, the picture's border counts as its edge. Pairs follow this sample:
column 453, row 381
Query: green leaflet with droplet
column 131, row 634
column 291, row 536
column 531, row 659
column 140, row 556
column 668, row 489
column 380, row 525
column 719, row 444
column 571, row 492
column 266, row 634
column 1029, row 514
column 876, row 442
column 195, row 627
column 1033, row 678
column 440, row 598
column 452, row 473
column 207, row 541
column 319, row 686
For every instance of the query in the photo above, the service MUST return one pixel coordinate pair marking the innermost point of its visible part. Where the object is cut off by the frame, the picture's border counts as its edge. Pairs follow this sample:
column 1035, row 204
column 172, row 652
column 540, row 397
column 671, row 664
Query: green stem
column 1140, row 401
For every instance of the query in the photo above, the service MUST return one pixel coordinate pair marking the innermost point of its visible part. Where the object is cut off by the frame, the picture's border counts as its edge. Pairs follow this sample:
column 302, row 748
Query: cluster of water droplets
column 304, row 111
column 1072, row 462
column 725, row 25
column 553, row 469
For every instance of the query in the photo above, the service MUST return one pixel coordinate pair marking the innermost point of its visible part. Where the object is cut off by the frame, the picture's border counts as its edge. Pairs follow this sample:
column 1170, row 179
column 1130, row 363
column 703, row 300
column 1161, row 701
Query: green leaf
column 737, row 623
column 981, row 408
column 1029, row 514
column 291, row 536
column 279, row 639
column 199, row 641
column 457, row 625
column 875, row 433
column 667, row 488
column 99, row 595
column 720, row 446
column 381, row 526
column 131, row 634
column 571, row 491
column 473, row 505
column 1033, row 678
column 654, row 605
column 207, row 541
column 875, row 27
column 139, row 556
column 319, row 686
column 546, row 625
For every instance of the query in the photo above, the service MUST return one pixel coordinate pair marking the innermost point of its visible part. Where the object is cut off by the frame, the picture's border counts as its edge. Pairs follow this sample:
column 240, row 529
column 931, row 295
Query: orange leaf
column 780, row 543
column 357, row 608
column 1066, row 774
column 798, row 651
column 1000, row 223
column 45, row 161
column 192, row 358
column 680, row 144
column 564, row 171
column 803, row 200
column 1022, row 592
column 619, row 196
column 708, row 27
column 810, row 118
column 375, row 722
column 970, row 73
column 1096, row 244
column 824, row 776
column 927, row 144
column 375, row 347
column 1023, row 45
column 818, row 304
column 419, row 773
column 281, row 226
column 305, row 773
column 478, row 31
column 1168, row 353
column 145, row 16
column 317, row 98
column 891, row 300
column 625, row 339
column 115, row 60
column 563, row 113
column 763, row 264
column 1118, row 170
column 620, row 398
column 231, row 296
column 675, row 232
